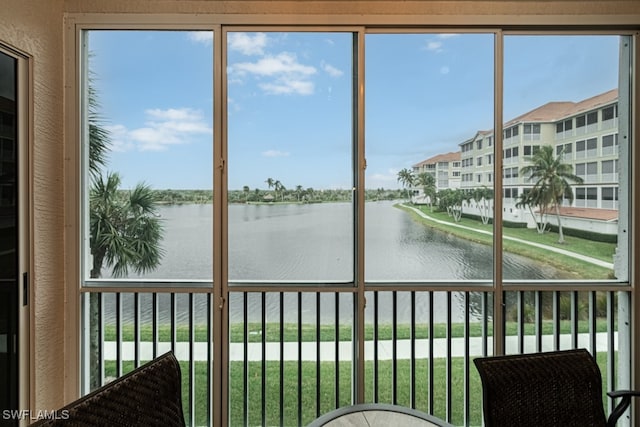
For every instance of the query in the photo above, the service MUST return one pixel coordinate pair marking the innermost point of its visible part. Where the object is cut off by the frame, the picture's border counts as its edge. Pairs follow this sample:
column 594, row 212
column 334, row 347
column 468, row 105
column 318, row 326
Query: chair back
column 150, row 395
column 562, row 388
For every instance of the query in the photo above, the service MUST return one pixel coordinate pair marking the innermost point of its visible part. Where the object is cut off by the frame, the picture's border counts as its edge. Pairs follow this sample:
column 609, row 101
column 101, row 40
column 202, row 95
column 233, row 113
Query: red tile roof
column 448, row 157
column 590, row 213
column 553, row 111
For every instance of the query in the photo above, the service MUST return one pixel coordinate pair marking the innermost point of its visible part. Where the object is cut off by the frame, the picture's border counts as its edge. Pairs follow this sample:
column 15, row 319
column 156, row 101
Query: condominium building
column 445, row 168
column 584, row 133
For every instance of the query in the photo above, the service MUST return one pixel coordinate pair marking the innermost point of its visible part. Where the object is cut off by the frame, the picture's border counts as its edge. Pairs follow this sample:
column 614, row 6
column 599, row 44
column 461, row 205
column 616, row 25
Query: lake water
column 314, row 243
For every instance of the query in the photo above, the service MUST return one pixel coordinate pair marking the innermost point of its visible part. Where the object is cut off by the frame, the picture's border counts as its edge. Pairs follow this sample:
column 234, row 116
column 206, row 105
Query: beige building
column 585, row 133
column 445, row 168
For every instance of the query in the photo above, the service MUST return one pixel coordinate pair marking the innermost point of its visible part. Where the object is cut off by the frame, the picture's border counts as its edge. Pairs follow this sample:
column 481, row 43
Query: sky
column 289, row 100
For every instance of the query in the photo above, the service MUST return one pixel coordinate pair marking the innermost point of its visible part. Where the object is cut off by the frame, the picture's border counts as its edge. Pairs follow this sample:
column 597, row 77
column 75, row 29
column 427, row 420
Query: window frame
column 77, row 23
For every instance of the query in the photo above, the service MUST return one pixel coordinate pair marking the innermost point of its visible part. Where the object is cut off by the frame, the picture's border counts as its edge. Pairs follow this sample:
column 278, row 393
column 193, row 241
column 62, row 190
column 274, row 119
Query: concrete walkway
column 585, row 258
column 327, row 351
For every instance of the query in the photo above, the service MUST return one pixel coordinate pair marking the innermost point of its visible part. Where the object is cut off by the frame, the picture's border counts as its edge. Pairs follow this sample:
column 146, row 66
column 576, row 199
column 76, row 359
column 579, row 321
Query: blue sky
column 290, row 94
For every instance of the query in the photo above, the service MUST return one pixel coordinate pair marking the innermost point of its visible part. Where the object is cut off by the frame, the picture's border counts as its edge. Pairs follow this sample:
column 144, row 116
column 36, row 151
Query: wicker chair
column 561, row 388
column 150, row 395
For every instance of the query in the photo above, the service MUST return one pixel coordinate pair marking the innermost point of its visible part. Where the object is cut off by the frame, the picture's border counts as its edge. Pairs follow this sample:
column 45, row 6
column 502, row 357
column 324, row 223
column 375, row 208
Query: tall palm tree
column 279, row 189
column 428, row 183
column 406, row 178
column 125, row 232
column 551, row 178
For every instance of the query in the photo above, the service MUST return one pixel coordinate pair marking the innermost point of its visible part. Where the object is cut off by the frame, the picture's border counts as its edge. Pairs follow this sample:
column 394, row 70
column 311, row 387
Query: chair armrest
column 622, row 406
column 621, row 393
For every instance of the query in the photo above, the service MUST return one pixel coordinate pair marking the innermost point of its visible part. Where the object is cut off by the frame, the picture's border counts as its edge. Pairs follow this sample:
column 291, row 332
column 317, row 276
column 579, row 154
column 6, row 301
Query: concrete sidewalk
column 308, row 350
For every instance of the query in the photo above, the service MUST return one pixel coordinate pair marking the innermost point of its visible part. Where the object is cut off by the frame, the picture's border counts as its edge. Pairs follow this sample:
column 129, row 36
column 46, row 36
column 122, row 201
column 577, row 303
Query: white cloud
column 286, row 86
column 331, row 70
column 246, row 44
column 288, row 75
column 434, row 46
column 275, row 153
column 204, row 37
column 283, row 63
column 444, row 70
column 447, row 36
column 162, row 129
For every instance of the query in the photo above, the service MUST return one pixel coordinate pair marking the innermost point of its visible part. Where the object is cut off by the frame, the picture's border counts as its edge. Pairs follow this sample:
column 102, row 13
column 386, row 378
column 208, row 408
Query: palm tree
column 406, row 178
column 279, row 189
column 246, row 191
column 125, row 232
column 428, row 183
column 270, row 182
column 551, row 178
column 530, row 199
column 483, row 196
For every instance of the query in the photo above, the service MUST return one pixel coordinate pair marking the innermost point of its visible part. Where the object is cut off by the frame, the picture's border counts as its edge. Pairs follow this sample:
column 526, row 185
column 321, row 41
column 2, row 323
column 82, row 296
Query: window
column 610, row 144
column 531, row 131
column 277, row 202
column 287, row 180
column 158, row 144
column 392, row 113
column 609, row 113
column 546, row 131
column 592, row 147
column 609, row 171
column 564, row 126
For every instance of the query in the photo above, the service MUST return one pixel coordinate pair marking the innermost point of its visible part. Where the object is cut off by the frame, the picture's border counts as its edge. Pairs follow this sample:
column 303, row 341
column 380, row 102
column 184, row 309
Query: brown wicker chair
column 561, row 388
column 150, row 395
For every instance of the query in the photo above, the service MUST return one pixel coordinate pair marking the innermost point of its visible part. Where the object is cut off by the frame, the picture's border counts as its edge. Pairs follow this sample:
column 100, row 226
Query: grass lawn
column 285, row 411
column 328, row 332
column 571, row 267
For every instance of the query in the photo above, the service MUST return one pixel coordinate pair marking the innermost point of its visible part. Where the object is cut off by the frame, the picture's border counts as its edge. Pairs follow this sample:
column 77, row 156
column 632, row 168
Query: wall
column 36, row 27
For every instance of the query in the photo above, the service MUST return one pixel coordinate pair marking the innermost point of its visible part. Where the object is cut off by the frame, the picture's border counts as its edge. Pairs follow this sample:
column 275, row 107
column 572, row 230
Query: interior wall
column 34, row 27
column 37, row 28
column 360, row 7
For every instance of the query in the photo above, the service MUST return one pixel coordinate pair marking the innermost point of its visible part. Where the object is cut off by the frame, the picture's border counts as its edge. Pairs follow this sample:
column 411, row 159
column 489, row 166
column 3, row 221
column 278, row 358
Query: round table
column 377, row 414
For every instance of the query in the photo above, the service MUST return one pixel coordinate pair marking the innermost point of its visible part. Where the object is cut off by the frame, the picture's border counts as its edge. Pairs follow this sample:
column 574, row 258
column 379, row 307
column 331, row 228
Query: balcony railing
column 293, row 356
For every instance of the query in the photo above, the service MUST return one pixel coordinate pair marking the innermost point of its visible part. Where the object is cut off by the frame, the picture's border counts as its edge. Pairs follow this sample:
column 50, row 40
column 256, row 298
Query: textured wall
column 375, row 7
column 36, row 27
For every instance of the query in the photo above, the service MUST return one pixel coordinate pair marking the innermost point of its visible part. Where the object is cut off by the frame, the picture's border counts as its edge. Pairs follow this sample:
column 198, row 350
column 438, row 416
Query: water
column 314, row 243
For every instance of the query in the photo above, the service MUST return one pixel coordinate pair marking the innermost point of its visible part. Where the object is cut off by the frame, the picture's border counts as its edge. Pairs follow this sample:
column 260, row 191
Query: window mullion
column 498, row 304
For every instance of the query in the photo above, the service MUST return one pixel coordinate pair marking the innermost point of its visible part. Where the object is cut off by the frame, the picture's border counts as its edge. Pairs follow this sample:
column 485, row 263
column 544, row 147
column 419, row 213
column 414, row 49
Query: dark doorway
column 9, row 274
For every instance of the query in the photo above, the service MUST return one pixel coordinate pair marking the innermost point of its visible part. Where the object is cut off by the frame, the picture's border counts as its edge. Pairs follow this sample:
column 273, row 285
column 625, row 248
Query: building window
column 609, row 113
column 610, row 145
column 531, row 131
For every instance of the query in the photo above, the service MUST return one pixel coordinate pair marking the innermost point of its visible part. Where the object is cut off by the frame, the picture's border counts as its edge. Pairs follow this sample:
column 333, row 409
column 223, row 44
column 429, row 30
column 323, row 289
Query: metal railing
column 292, row 355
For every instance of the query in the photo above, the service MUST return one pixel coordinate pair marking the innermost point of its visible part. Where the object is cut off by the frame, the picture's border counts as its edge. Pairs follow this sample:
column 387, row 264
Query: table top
column 377, row 414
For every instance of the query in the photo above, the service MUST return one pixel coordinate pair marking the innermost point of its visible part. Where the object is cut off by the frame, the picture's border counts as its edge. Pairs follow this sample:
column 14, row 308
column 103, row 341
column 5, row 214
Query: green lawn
column 328, row 332
column 571, row 267
column 309, row 390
